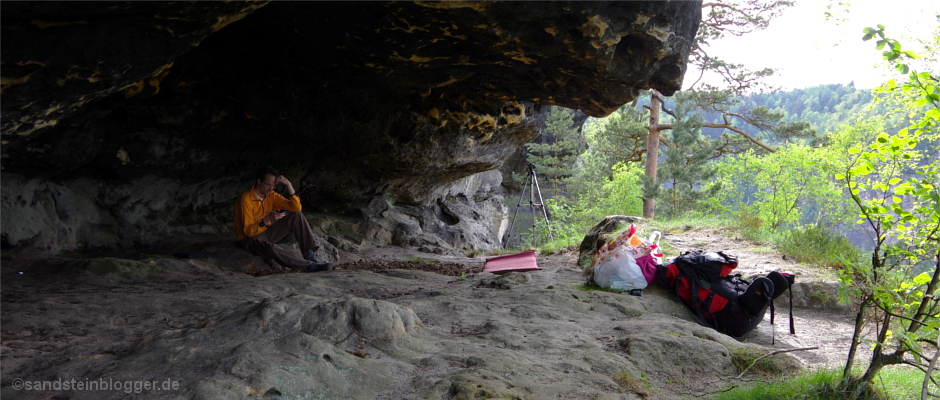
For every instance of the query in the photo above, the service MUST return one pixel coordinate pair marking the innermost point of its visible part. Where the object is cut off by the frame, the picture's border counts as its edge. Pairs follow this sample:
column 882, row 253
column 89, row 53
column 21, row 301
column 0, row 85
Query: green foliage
column 897, row 199
column 825, row 107
column 790, row 187
column 595, row 288
column 880, row 171
column 750, row 359
column 894, row 184
column 554, row 158
column 816, row 245
column 815, row 385
column 571, row 220
column 602, row 183
column 621, row 137
column 553, row 161
column 761, row 120
column 750, row 224
column 897, row 382
column 422, row 260
column 685, row 169
column 563, row 229
column 618, row 196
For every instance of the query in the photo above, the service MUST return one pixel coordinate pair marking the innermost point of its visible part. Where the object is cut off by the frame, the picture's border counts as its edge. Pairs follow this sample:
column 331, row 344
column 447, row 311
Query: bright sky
column 807, row 50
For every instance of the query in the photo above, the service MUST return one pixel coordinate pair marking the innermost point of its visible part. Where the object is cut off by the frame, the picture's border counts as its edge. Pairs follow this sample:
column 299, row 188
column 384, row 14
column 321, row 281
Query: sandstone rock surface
column 382, row 326
column 127, row 123
column 395, row 334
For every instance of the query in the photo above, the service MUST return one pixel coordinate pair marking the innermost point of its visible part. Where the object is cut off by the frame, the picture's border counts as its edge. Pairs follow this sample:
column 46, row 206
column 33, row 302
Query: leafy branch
column 896, row 192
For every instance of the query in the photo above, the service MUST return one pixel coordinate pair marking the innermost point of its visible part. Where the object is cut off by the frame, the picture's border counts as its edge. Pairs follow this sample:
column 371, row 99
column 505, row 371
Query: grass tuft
column 627, row 381
column 750, row 225
column 743, row 357
column 818, row 246
column 893, row 383
column 559, row 246
column 473, row 253
column 423, row 260
column 590, row 288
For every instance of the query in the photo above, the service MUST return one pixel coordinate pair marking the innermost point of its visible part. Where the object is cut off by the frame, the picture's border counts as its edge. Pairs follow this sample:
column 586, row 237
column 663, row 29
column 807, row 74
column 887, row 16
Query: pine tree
column 720, row 18
column 554, row 158
column 622, row 137
column 686, row 169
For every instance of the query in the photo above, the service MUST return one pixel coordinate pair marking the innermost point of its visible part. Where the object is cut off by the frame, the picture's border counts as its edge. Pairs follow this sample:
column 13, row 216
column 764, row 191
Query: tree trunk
column 878, row 358
column 856, row 339
column 675, row 196
column 925, row 386
column 652, row 151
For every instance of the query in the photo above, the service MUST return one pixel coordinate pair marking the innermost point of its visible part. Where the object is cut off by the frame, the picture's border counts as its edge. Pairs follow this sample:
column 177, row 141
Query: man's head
column 266, row 180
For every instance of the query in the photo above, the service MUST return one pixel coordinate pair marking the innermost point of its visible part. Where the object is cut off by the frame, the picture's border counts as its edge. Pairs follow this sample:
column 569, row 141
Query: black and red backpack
column 725, row 302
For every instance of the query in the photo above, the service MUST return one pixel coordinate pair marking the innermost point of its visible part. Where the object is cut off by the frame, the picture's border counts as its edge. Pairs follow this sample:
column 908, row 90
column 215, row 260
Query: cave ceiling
column 404, row 90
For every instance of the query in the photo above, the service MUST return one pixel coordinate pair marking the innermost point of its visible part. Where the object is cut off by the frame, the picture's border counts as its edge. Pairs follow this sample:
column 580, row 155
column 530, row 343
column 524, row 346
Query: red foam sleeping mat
column 524, row 261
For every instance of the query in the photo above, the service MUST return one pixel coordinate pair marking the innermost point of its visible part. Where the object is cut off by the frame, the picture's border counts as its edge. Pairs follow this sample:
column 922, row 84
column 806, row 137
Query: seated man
column 264, row 217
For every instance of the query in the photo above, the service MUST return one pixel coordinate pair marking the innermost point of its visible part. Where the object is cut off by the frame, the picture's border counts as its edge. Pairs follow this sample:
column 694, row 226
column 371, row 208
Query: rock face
column 125, row 123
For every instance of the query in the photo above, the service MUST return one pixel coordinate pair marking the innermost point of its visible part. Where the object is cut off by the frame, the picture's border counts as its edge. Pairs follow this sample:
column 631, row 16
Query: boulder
column 604, row 231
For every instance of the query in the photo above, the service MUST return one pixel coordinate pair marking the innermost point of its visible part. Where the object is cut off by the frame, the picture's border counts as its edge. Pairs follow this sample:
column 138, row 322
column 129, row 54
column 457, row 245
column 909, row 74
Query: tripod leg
column 532, row 204
column 516, row 214
column 548, row 225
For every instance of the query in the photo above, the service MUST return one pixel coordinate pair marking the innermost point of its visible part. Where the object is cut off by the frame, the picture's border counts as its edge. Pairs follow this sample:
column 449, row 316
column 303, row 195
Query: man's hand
column 272, row 217
column 290, row 188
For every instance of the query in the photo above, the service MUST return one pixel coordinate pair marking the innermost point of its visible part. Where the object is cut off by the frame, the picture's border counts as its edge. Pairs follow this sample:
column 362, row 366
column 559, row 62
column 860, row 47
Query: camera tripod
column 532, row 183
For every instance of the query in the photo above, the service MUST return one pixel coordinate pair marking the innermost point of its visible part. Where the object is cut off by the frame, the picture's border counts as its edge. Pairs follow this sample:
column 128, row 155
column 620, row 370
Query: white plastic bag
column 653, row 245
column 623, row 273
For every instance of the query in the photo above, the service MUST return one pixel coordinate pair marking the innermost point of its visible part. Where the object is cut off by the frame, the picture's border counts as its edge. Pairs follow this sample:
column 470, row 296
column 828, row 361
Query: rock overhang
column 355, row 99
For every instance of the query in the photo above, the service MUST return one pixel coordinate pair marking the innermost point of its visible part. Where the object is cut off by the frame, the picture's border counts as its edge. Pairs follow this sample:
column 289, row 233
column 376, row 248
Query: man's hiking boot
column 311, row 256
column 319, row 267
column 316, row 265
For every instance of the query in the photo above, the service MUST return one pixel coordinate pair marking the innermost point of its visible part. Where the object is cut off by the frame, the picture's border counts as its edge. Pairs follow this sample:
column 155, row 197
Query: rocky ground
column 389, row 323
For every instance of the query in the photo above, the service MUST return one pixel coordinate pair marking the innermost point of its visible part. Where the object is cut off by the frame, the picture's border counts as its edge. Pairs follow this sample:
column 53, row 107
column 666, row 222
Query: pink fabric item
column 524, row 261
column 648, row 265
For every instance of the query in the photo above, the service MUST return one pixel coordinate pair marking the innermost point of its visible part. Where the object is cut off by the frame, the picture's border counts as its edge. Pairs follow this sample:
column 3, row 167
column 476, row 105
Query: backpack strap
column 790, row 295
column 771, row 312
column 773, row 328
column 693, row 295
column 781, row 279
column 661, row 275
column 708, row 306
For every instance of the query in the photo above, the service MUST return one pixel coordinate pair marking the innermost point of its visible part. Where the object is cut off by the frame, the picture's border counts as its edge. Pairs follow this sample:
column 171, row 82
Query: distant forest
column 825, row 107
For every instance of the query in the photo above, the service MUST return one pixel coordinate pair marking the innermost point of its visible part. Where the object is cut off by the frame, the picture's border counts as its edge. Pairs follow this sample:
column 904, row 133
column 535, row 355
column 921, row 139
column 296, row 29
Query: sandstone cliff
column 127, row 123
